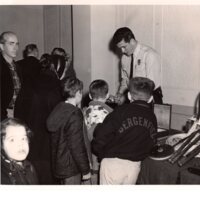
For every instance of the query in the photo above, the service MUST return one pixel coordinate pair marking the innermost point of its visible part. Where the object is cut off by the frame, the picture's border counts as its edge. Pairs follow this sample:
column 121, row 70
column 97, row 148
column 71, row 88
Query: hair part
column 98, row 89
column 70, row 85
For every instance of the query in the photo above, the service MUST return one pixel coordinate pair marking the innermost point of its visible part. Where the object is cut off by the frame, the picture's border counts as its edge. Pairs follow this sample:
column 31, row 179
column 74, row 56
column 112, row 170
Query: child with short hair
column 126, row 136
column 94, row 114
column 65, row 123
column 15, row 169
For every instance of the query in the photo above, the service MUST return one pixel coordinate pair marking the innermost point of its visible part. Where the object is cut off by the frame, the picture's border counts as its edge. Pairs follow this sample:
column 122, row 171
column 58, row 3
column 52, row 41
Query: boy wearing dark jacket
column 65, row 123
column 126, row 135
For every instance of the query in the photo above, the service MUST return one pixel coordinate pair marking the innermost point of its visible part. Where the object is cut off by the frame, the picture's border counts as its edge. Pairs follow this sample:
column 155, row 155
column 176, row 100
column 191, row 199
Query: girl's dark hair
column 13, row 122
column 70, row 86
column 46, row 61
column 98, row 89
column 57, row 51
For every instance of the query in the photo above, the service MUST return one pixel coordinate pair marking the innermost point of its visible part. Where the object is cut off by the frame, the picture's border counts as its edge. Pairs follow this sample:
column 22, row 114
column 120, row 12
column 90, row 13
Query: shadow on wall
column 117, row 52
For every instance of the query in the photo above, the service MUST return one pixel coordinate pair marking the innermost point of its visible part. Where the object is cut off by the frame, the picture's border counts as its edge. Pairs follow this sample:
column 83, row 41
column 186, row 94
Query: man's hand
column 86, row 176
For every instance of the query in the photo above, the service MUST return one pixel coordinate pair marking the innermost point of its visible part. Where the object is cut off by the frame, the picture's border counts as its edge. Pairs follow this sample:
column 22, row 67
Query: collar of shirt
column 108, row 108
column 137, row 50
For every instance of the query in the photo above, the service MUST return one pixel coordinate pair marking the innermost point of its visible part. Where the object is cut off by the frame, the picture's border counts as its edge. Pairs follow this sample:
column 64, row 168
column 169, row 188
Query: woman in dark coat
column 42, row 97
column 67, row 70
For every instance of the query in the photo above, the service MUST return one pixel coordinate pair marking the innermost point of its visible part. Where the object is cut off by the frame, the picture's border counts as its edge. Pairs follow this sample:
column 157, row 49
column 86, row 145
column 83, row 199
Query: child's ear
column 90, row 96
column 129, row 97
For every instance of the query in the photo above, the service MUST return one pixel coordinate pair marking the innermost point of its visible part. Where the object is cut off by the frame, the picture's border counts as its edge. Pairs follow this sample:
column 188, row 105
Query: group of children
column 96, row 143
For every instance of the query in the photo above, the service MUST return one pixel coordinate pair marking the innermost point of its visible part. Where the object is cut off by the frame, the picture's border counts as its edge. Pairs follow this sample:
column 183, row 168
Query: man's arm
column 125, row 70
column 153, row 67
column 124, row 81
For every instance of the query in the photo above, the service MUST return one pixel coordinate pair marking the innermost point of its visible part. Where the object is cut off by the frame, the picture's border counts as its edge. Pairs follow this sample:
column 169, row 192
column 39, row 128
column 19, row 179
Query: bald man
column 10, row 75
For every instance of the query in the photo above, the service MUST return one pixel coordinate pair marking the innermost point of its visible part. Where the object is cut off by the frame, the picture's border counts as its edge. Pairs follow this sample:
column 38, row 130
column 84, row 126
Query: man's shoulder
column 125, row 58
column 147, row 49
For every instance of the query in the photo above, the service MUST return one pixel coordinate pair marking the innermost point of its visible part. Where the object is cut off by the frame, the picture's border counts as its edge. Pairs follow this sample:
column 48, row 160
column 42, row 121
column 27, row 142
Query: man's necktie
column 131, row 67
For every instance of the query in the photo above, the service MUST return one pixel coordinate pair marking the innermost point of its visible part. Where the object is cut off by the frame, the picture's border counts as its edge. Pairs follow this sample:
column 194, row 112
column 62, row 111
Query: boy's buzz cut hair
column 98, row 89
column 70, row 86
column 141, row 85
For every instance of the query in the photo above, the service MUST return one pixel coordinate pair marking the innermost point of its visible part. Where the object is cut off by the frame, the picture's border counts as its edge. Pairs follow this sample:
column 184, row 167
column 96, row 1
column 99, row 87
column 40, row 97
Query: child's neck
column 19, row 163
column 71, row 101
column 103, row 100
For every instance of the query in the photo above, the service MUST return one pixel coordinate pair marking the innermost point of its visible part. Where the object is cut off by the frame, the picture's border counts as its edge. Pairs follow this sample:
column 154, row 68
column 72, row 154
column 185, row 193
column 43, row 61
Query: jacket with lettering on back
column 126, row 133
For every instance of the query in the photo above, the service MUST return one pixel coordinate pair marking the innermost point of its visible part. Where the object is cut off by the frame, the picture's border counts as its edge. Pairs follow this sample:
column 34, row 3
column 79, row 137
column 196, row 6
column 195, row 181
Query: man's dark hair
column 122, row 33
column 29, row 49
column 98, row 89
column 70, row 86
column 141, row 85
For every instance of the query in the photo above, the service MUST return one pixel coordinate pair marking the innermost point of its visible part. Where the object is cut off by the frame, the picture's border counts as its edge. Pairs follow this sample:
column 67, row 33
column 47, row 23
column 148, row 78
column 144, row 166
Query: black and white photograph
column 98, row 95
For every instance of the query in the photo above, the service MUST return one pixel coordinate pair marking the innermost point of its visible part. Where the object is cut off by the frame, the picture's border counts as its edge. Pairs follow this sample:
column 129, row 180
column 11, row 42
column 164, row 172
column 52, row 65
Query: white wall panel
column 181, row 57
column 26, row 22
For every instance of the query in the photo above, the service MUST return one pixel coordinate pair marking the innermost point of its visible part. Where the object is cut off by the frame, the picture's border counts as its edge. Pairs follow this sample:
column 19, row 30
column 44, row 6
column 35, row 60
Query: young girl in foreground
column 15, row 169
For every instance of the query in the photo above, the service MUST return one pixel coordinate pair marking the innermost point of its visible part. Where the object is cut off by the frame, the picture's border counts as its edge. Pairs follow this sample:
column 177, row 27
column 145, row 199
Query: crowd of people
column 48, row 138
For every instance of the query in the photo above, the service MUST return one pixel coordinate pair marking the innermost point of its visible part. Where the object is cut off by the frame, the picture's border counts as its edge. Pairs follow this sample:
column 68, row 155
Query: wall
column 46, row 26
column 181, row 60
column 57, row 28
column 181, row 49
column 82, row 43
column 26, row 22
column 103, row 64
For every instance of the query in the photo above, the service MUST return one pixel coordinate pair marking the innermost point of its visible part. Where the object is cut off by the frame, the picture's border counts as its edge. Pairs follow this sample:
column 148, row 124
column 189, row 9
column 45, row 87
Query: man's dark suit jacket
column 7, row 87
